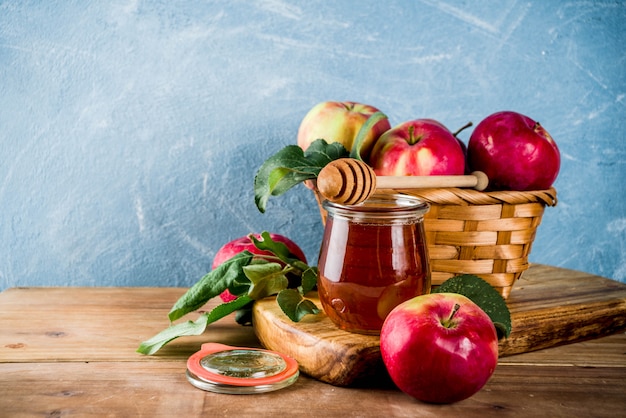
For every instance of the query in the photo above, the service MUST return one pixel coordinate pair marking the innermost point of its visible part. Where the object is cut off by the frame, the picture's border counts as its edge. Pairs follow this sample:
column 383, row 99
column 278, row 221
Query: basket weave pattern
column 489, row 234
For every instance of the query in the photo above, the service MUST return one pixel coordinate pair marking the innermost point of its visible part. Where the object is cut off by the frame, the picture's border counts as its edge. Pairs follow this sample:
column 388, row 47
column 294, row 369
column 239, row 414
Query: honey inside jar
column 373, row 257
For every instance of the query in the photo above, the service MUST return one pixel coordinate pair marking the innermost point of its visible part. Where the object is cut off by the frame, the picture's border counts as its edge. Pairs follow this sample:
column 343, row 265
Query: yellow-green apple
column 340, row 122
column 420, row 147
column 234, row 247
column 515, row 152
column 439, row 348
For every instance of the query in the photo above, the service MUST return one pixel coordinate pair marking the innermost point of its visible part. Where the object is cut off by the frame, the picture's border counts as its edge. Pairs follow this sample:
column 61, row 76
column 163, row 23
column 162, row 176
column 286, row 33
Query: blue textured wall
column 130, row 131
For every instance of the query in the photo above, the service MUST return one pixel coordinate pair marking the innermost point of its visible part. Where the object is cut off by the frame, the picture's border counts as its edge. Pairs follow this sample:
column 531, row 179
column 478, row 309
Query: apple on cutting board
column 439, row 347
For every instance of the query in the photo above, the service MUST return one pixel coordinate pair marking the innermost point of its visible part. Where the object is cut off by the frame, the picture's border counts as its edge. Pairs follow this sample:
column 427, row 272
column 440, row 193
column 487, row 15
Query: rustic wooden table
column 71, row 352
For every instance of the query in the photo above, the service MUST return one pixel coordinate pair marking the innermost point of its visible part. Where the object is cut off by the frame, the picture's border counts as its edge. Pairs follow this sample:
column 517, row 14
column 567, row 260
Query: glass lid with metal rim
column 221, row 368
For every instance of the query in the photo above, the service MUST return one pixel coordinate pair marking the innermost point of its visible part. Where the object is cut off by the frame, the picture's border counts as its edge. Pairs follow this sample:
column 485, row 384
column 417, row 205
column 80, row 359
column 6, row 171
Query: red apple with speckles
column 439, row 348
column 515, row 152
column 340, row 122
column 420, row 147
column 234, row 247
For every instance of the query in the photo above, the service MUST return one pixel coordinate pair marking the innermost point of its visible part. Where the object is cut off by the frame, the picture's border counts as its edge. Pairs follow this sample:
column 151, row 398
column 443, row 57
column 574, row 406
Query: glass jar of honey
column 373, row 257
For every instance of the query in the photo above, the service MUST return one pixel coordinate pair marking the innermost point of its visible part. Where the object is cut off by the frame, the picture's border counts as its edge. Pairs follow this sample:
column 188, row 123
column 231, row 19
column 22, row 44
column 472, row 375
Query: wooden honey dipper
column 349, row 181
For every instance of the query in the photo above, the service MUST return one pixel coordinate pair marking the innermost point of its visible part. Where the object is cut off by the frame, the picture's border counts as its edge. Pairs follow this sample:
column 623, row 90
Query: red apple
column 439, row 348
column 455, row 134
column 234, row 247
column 420, row 147
column 340, row 122
column 515, row 152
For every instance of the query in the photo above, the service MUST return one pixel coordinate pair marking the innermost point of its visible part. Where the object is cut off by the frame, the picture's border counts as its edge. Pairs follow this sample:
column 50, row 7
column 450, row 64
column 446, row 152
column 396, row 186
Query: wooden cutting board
column 549, row 306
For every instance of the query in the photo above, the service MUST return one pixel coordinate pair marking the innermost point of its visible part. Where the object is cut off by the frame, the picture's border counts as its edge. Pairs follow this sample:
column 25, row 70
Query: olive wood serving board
column 549, row 306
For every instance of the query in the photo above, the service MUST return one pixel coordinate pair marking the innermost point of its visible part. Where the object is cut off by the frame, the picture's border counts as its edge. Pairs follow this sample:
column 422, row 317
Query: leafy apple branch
column 291, row 165
column 250, row 277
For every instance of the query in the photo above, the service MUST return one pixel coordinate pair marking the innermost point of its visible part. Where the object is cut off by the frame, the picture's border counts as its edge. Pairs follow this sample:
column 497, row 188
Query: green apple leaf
column 309, row 280
column 196, row 327
column 294, row 305
column 321, row 152
column 365, row 129
column 267, row 279
column 291, row 166
column 228, row 275
column 484, row 295
column 277, row 248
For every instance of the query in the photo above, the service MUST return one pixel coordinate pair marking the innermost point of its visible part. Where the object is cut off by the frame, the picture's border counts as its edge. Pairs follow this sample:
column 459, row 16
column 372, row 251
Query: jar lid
column 221, row 368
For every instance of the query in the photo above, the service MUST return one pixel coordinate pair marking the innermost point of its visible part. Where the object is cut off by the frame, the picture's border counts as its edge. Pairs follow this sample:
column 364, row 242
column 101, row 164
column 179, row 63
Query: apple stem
column 412, row 138
column 462, row 128
column 448, row 322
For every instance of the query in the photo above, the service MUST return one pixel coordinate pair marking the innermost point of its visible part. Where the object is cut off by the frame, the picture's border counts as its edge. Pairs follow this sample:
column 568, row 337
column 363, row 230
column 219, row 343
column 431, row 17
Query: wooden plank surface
column 549, row 306
column 159, row 389
column 98, row 324
column 71, row 352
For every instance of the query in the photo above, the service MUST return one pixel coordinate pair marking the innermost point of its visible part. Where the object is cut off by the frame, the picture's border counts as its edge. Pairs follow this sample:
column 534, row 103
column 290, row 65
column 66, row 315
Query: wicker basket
column 488, row 234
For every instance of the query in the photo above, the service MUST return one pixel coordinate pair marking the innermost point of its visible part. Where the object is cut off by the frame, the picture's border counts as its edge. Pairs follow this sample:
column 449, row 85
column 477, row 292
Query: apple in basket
column 515, row 152
column 340, row 122
column 439, row 348
column 234, row 247
column 420, row 147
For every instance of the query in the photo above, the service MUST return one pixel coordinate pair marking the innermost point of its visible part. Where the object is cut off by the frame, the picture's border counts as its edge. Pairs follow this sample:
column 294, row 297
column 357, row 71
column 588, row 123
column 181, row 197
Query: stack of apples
column 440, row 347
column 515, row 151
